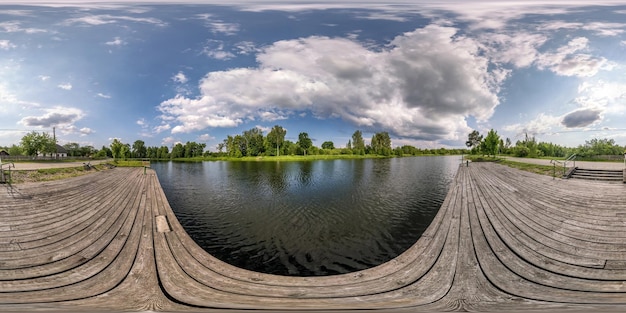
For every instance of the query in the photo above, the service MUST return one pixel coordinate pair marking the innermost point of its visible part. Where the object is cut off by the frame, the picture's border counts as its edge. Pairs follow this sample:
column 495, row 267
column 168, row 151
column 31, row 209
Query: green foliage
column 116, row 148
column 304, row 142
column 328, row 145
column 35, row 143
column 358, row 144
column 599, row 147
column 474, row 140
column 491, row 142
column 275, row 138
column 139, row 149
column 381, row 144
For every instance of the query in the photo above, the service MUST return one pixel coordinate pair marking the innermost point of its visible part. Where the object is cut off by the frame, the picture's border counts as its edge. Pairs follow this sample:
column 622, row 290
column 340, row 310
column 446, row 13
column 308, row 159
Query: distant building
column 4, row 153
column 61, row 152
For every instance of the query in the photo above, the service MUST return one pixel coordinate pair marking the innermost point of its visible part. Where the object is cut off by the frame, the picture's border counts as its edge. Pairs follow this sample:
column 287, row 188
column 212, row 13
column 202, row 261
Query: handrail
column 570, row 158
column 10, row 164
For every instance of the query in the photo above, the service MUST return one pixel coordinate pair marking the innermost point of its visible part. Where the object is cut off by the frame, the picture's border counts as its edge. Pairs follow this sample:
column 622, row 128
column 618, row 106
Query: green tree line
column 492, row 144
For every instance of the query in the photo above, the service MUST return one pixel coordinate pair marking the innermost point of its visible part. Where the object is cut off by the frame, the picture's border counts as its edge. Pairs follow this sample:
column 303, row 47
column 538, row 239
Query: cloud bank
column 422, row 85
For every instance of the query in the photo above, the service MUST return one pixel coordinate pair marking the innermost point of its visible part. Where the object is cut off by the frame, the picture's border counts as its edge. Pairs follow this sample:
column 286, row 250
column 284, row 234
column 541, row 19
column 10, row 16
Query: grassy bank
column 547, row 170
column 48, row 174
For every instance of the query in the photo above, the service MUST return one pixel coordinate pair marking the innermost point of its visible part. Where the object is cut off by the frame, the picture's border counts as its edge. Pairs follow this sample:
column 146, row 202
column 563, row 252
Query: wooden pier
column 503, row 240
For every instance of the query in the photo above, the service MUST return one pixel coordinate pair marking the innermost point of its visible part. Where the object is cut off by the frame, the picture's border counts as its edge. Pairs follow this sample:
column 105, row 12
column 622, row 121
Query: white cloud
column 6, row 45
column 246, row 47
column 169, row 141
column 623, row 42
column 43, row 77
column 142, row 122
column 161, row 128
column 599, row 28
column 180, row 78
column 422, row 85
column 567, row 61
column 219, row 55
column 96, row 20
column 215, row 49
column 15, row 27
column 86, row 131
column 519, row 48
column 542, row 124
column 65, row 86
column 62, row 117
column 205, row 138
column 224, row 28
column 102, row 95
column 116, row 42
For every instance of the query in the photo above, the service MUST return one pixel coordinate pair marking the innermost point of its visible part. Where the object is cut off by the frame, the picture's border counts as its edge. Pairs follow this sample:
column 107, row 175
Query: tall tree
column 491, row 142
column 358, row 144
column 381, row 143
column 304, row 141
column 473, row 140
column 116, row 148
column 276, row 137
column 254, row 141
column 139, row 149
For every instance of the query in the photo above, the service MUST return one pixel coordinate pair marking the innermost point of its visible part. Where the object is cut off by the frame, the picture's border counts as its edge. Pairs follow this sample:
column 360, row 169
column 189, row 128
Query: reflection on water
column 307, row 218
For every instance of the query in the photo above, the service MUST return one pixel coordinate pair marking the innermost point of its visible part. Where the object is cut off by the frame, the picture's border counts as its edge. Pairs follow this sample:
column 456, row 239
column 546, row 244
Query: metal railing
column 3, row 177
column 571, row 158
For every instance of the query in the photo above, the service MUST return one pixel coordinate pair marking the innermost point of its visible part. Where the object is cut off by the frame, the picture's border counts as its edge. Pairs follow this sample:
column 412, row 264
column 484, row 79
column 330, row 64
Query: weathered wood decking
column 503, row 239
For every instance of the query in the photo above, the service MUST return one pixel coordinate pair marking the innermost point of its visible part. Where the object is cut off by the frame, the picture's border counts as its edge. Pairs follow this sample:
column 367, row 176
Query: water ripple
column 307, row 218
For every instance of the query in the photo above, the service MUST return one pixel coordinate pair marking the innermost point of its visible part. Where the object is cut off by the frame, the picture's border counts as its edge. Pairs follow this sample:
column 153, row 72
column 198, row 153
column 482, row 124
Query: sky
column 426, row 72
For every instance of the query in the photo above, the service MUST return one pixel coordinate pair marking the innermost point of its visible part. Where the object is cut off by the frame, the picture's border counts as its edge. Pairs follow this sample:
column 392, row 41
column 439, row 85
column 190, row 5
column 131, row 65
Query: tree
column 254, row 141
column 491, row 142
column 358, row 144
column 473, row 141
column 139, row 149
column 304, row 142
column 35, row 143
column 328, row 145
column 116, row 148
column 381, row 144
column 73, row 148
column 276, row 137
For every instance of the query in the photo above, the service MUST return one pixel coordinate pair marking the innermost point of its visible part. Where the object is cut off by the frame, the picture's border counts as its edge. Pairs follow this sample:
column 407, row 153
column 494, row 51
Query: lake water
column 307, row 218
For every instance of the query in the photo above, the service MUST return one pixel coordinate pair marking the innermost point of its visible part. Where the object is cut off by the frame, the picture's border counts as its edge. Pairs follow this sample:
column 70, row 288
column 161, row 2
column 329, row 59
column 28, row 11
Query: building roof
column 60, row 149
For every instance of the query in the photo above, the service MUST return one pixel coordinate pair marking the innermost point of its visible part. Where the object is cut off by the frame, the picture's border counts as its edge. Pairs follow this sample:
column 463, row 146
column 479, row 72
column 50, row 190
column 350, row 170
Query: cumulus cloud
column 86, row 131
column 581, row 118
column 102, row 95
column 422, row 85
column 6, row 45
column 57, row 116
column 567, row 61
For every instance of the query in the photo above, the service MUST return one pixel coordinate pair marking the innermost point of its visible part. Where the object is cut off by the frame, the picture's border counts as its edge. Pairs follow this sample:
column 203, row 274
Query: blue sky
column 426, row 72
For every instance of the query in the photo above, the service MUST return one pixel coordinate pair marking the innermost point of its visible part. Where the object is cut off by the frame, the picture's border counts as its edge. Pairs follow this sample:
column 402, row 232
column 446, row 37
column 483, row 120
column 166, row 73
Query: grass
column 130, row 163
column 49, row 174
column 548, row 170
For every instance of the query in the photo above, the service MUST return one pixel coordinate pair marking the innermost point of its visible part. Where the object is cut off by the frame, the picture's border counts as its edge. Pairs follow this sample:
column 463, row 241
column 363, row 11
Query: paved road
column 41, row 165
column 579, row 164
